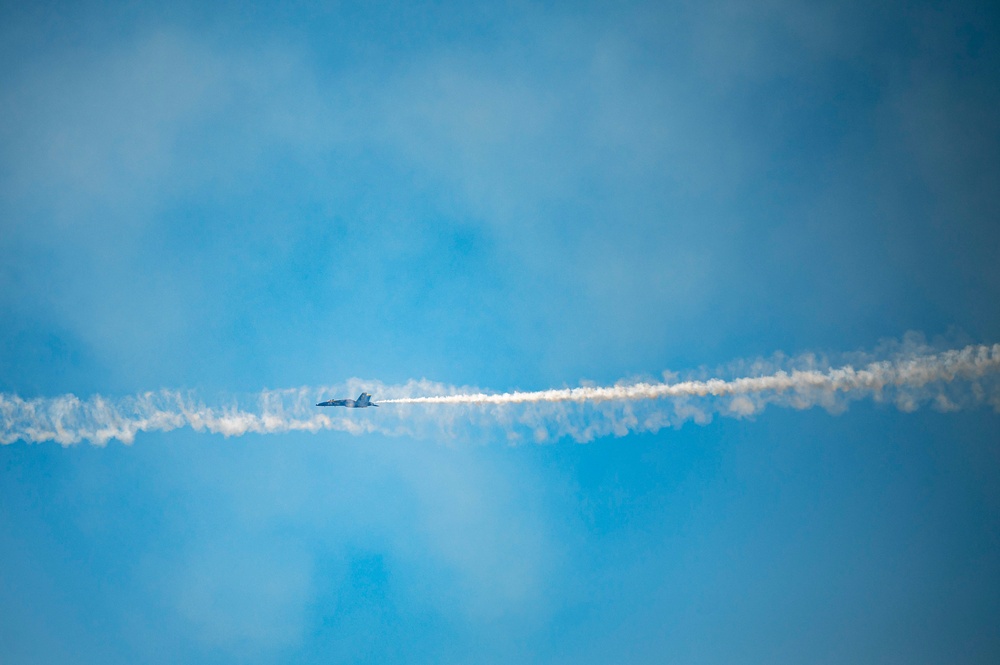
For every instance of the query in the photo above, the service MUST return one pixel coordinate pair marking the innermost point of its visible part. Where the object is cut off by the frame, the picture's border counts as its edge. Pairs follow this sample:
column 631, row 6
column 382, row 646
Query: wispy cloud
column 910, row 377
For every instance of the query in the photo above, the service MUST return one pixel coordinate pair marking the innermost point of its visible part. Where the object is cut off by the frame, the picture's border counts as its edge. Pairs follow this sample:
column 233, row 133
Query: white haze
column 907, row 375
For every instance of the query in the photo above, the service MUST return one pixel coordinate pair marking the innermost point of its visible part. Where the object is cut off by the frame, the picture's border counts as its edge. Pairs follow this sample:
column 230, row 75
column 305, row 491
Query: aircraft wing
column 335, row 402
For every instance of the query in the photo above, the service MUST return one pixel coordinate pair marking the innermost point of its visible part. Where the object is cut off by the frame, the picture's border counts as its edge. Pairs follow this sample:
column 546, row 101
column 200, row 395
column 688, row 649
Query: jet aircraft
column 363, row 400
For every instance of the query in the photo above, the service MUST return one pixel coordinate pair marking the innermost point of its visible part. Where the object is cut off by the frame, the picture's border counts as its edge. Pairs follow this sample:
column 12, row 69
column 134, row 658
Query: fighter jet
column 363, row 400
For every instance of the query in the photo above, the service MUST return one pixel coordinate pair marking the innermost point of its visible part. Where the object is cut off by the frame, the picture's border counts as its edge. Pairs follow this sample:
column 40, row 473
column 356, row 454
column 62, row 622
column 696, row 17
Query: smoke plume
column 908, row 376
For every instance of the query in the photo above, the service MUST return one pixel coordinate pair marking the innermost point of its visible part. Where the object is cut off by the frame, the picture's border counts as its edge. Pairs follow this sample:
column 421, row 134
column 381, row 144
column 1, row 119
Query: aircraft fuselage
column 364, row 400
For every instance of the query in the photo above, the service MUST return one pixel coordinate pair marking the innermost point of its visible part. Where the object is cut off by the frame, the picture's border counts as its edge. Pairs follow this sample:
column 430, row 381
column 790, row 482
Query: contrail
column 908, row 375
column 971, row 362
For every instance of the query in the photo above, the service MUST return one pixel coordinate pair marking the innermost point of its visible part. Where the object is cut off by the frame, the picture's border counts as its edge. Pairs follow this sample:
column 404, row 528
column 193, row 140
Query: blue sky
column 228, row 197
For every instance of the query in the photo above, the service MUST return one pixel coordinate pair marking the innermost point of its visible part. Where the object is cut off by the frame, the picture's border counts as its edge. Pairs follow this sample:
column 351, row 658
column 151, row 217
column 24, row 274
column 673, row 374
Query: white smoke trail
column 909, row 376
column 969, row 363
